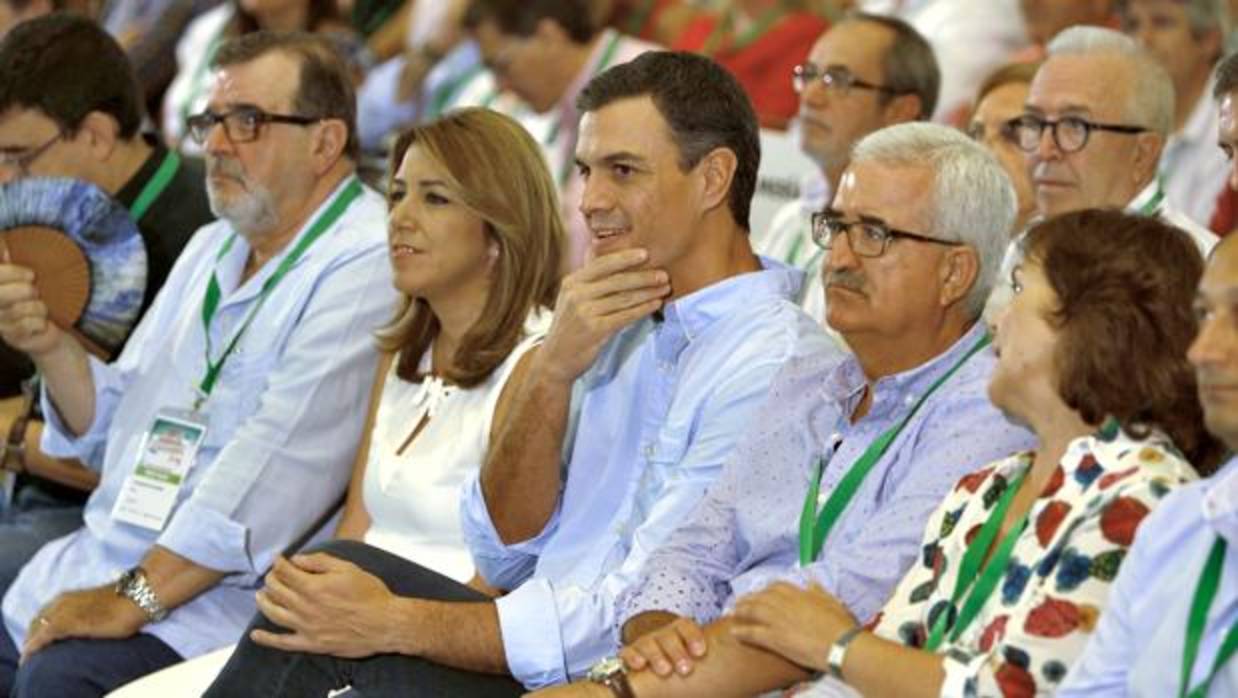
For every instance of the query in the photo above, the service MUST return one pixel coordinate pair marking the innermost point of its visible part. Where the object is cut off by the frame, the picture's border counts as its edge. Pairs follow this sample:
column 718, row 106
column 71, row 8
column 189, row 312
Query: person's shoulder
column 365, row 221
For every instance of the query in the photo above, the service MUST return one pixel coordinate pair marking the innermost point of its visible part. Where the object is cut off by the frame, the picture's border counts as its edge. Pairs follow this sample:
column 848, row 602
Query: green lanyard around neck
column 1201, row 603
column 813, row 533
column 214, row 294
column 156, row 185
column 1153, row 206
column 985, row 581
column 713, row 43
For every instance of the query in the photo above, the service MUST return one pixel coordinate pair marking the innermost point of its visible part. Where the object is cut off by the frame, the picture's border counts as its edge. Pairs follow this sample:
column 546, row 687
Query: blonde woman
column 475, row 241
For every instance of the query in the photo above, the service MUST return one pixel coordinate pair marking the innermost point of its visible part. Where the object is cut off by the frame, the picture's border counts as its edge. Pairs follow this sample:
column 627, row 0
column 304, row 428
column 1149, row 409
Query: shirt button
column 664, row 366
column 648, row 450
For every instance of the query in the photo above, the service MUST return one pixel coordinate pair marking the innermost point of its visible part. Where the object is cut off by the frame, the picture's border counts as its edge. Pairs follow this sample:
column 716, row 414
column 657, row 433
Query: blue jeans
column 256, row 671
column 81, row 668
column 37, row 516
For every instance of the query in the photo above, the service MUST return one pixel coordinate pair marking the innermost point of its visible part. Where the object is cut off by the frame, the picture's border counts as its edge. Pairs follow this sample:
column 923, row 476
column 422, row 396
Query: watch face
column 605, row 669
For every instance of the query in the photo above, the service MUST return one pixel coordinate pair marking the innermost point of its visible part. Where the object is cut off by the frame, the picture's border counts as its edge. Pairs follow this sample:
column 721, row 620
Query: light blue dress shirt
column 744, row 535
column 654, row 419
column 1137, row 649
column 284, row 421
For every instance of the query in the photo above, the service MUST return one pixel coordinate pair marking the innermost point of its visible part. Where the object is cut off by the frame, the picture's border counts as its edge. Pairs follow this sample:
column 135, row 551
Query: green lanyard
column 813, row 533
column 156, row 185
column 1153, row 205
column 214, row 294
column 970, row 571
column 1205, row 594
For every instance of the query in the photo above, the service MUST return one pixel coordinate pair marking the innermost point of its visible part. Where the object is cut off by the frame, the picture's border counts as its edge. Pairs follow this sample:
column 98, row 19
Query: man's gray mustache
column 845, row 278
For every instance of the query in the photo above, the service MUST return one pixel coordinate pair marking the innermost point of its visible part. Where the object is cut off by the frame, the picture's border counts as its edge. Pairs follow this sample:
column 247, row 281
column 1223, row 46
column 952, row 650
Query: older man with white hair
column 1187, row 37
column 1098, row 115
column 847, row 459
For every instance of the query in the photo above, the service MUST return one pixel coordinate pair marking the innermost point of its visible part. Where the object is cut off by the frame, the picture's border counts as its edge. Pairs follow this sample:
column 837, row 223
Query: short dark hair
column 910, row 66
column 703, row 104
column 326, row 87
column 66, row 67
column 1111, row 300
column 1226, row 76
column 520, row 17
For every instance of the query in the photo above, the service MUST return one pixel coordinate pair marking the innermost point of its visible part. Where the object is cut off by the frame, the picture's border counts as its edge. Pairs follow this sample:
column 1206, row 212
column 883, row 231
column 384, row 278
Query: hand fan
column 87, row 254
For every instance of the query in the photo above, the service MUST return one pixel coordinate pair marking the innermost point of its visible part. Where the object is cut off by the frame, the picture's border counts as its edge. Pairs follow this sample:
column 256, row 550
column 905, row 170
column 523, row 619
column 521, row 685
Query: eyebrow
column 623, row 156
column 427, row 183
column 1069, row 110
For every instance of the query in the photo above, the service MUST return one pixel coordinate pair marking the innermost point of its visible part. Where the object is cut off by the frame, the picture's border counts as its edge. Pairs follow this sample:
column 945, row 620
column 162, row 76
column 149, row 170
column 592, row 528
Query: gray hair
column 1151, row 102
column 973, row 199
column 909, row 64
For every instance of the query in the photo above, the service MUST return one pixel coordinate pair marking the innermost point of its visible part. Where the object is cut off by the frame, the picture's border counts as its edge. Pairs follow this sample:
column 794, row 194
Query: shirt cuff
column 210, row 539
column 501, row 565
column 58, row 440
column 532, row 640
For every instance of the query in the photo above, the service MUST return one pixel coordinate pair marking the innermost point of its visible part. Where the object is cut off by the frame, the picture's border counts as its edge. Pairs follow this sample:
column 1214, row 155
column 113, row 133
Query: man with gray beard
column 224, row 432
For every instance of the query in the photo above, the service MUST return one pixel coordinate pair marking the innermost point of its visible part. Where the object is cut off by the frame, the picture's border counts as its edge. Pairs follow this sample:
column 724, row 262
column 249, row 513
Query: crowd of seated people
column 481, row 351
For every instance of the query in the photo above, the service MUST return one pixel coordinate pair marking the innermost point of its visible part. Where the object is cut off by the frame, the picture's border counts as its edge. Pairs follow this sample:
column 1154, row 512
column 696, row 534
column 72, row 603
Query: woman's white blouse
column 413, row 498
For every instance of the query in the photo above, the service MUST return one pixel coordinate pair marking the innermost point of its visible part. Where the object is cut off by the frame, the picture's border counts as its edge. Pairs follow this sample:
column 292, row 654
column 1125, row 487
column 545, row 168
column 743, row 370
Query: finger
column 12, row 273
column 277, row 614
column 278, row 593
column 623, row 281
column 693, row 637
column 633, row 659
column 608, row 264
column 41, row 635
column 288, row 642
column 15, row 297
column 753, row 635
column 655, row 657
column 675, row 651
column 617, row 302
column 319, row 562
column 291, row 576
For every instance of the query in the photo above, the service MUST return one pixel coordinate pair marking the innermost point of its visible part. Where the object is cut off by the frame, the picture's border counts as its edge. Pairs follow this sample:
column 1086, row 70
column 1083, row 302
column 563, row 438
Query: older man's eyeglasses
column 21, row 159
column 1070, row 133
column 242, row 124
column 866, row 238
column 834, row 77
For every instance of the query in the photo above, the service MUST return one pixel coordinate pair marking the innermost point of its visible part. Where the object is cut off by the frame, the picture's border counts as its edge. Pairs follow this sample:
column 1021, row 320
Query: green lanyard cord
column 713, row 43
column 214, row 293
column 156, row 185
column 1201, row 603
column 1153, row 205
column 813, row 533
column 985, row 580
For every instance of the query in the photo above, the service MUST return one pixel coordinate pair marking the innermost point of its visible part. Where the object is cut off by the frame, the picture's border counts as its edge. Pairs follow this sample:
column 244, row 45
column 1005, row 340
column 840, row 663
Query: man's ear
column 959, row 271
column 717, row 170
column 100, row 133
column 1147, row 157
column 901, row 109
column 330, row 143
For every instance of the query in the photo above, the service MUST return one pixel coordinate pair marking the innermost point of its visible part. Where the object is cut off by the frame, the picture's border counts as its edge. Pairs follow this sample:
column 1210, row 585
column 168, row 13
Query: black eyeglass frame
column 1026, row 122
column 199, row 126
column 824, row 238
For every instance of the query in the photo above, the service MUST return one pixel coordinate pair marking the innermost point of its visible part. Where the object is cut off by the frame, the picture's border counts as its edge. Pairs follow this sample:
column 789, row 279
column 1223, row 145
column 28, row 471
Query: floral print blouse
column 1045, row 607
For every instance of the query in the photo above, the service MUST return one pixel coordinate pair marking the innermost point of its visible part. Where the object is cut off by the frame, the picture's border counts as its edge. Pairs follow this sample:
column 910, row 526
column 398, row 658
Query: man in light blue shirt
column 913, row 239
column 1171, row 626
column 261, row 337
column 662, row 347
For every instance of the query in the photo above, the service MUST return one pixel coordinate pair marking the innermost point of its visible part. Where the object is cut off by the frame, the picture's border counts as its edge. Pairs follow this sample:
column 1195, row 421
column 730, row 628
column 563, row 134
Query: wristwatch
column 611, row 673
column 133, row 586
column 838, row 651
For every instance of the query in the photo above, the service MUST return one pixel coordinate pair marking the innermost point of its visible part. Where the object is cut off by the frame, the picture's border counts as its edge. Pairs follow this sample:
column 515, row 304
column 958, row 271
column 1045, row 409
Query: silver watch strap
column 838, row 651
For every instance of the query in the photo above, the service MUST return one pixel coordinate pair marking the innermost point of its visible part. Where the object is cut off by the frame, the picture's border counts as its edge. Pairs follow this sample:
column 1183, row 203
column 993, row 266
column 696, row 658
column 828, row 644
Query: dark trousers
column 255, row 670
column 81, row 668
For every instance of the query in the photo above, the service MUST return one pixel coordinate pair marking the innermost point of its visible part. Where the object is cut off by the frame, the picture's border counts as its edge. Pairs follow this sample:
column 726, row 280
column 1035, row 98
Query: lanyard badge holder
column 171, row 444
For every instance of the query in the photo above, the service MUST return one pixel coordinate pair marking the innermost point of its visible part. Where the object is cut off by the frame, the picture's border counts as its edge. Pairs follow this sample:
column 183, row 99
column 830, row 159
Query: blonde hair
column 497, row 171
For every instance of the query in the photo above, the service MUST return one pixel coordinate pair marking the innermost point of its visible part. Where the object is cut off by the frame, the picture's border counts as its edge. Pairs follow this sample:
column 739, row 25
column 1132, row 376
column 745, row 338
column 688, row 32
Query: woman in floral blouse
column 1018, row 559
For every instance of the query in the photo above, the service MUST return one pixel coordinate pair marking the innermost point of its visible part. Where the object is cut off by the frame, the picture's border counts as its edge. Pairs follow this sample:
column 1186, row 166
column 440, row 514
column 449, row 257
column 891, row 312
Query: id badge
column 167, row 453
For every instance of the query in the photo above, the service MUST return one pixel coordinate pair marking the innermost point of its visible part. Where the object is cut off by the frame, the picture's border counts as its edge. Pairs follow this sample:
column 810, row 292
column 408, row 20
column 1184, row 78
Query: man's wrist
column 403, row 634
